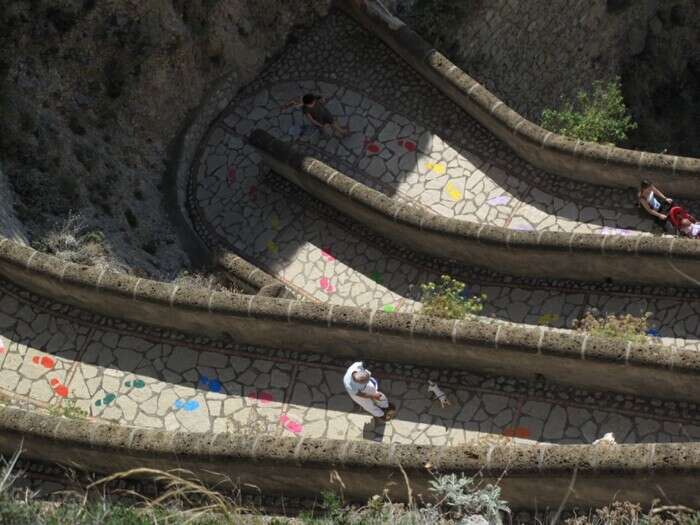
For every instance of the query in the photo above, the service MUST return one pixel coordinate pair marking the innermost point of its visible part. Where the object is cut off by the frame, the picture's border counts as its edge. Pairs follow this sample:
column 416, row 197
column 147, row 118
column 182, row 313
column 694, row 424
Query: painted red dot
column 409, row 145
column 373, row 148
column 265, row 397
column 44, row 361
column 61, row 391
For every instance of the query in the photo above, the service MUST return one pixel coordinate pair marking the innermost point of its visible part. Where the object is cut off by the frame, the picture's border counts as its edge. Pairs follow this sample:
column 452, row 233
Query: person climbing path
column 318, row 114
column 363, row 389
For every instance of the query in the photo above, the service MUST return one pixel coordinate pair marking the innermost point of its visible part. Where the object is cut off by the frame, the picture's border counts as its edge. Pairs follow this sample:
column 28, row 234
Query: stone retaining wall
column 583, row 256
column 575, row 159
column 355, row 333
column 536, row 476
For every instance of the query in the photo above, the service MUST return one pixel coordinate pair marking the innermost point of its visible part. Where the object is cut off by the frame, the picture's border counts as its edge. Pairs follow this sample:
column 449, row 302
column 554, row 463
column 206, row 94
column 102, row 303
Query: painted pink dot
column 290, row 424
column 325, row 283
column 326, row 253
column 253, row 396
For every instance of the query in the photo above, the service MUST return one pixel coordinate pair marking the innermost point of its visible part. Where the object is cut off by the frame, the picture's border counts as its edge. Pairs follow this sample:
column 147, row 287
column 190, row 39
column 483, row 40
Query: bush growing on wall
column 600, row 116
column 627, row 327
column 448, row 298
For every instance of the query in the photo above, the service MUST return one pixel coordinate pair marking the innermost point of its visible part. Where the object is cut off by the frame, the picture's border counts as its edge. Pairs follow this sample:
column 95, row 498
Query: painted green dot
column 389, row 308
column 109, row 398
column 377, row 277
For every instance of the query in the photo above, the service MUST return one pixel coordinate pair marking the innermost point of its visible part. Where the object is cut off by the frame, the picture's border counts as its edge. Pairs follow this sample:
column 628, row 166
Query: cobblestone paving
column 413, row 144
column 134, row 375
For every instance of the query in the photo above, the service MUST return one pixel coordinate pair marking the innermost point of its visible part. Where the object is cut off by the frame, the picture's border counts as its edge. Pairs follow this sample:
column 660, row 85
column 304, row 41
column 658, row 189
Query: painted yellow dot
column 272, row 247
column 436, row 167
column 275, row 222
column 453, row 192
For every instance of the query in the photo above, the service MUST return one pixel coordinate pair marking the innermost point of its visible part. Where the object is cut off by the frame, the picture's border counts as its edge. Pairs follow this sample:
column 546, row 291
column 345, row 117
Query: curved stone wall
column 533, row 476
column 583, row 161
column 645, row 259
column 562, row 356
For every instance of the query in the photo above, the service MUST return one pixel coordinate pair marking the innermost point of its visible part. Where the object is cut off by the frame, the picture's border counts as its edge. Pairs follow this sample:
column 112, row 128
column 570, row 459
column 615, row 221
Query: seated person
column 689, row 228
column 314, row 110
column 654, row 202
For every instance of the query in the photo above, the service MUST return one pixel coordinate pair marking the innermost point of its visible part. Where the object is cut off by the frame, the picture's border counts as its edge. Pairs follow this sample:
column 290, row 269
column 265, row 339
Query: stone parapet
column 534, row 476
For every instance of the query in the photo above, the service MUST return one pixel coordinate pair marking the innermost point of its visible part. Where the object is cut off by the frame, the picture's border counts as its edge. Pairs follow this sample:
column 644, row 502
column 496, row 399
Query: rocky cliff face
column 531, row 53
column 92, row 93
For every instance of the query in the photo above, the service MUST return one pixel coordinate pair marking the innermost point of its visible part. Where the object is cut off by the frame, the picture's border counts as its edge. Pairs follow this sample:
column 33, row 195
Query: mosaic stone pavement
column 56, row 355
column 438, row 158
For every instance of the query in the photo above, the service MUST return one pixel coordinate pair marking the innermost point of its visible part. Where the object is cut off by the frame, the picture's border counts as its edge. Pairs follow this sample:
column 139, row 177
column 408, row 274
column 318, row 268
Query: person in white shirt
column 689, row 228
column 363, row 389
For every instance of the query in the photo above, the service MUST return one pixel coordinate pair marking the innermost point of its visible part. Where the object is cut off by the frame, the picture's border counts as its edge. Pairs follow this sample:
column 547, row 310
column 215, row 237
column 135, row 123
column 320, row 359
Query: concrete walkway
column 57, row 356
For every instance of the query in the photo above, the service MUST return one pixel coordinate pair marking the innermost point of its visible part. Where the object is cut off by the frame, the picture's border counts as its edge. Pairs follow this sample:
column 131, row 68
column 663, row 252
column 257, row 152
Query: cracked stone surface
column 56, row 355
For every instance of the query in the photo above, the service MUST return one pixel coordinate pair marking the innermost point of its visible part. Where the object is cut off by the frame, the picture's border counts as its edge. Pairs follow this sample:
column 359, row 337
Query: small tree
column 597, row 117
column 450, row 299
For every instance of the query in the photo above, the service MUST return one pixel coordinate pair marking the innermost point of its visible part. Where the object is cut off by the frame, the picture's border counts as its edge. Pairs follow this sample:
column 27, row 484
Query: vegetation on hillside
column 599, row 116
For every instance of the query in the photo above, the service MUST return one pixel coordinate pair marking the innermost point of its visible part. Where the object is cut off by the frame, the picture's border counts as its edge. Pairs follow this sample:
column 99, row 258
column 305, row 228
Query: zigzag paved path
column 410, row 142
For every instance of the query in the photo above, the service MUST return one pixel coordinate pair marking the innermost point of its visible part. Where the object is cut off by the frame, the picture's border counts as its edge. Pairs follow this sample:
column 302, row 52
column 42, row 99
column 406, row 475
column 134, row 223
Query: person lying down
column 689, row 228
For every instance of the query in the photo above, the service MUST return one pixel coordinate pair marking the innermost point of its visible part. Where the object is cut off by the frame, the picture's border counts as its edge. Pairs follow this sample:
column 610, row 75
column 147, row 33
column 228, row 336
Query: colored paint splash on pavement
column 59, row 388
column 389, row 308
column 105, row 400
column 377, row 277
column 372, row 146
column 498, row 201
column 272, row 247
column 290, row 424
column 453, row 191
column 212, row 384
column 44, row 361
column 518, row 432
column 326, row 286
column 408, row 145
column 436, row 167
column 136, row 383
column 274, row 222
column 188, row 406
column 327, row 255
column 264, row 398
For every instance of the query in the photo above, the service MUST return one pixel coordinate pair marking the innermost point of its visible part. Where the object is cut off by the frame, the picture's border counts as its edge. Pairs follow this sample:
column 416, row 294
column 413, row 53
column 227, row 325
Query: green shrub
column 448, row 299
column 598, row 117
column 462, row 496
column 69, row 409
column 626, row 327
